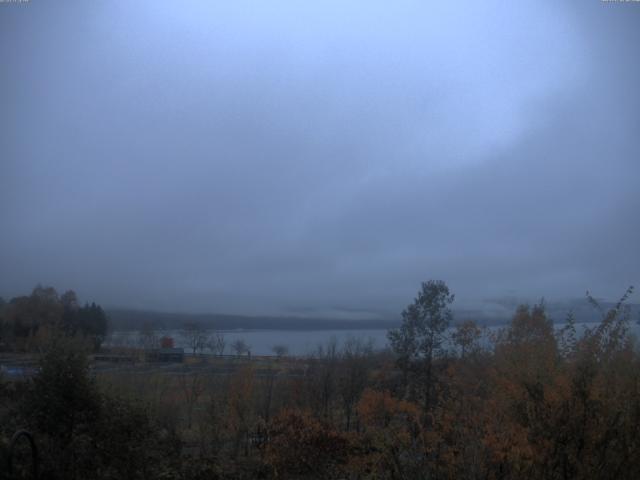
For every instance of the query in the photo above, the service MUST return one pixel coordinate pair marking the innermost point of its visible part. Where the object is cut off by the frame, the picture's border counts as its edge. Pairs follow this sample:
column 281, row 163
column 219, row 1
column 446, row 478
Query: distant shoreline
column 133, row 320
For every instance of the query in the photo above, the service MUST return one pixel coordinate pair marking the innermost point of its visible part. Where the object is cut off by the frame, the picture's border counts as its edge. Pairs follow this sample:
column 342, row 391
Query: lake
column 261, row 342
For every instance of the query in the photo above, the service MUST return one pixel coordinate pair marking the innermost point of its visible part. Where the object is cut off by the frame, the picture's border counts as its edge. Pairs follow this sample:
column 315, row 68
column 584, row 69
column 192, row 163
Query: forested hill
column 124, row 319
column 499, row 314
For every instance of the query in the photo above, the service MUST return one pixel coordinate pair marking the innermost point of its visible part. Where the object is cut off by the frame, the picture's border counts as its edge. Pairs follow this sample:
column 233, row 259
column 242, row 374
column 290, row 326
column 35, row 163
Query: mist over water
column 306, row 342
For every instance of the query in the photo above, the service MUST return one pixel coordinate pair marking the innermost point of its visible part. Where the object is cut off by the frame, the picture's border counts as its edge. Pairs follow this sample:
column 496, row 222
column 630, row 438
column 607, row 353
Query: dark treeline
column 528, row 401
column 27, row 322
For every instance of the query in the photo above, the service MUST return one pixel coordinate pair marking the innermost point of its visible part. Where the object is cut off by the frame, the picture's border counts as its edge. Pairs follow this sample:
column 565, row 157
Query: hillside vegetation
column 529, row 401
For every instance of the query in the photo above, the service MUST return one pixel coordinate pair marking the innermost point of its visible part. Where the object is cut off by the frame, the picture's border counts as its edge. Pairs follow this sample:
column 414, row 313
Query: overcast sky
column 318, row 158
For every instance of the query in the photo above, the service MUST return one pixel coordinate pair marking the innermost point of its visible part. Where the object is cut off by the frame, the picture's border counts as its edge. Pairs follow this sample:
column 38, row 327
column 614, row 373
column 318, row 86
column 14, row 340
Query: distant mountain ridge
column 122, row 319
column 126, row 319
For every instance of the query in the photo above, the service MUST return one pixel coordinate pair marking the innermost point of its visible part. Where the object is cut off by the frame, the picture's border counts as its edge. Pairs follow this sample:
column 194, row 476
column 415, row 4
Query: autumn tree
column 26, row 314
column 215, row 423
column 466, row 337
column 300, row 446
column 560, row 409
column 527, row 348
column 567, row 337
column 192, row 385
column 240, row 409
column 391, row 445
column 598, row 420
column 45, row 310
column 353, row 375
column 322, row 377
column 127, row 442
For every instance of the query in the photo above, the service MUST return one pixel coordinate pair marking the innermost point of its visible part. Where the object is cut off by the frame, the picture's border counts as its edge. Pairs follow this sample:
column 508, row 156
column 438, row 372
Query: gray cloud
column 326, row 158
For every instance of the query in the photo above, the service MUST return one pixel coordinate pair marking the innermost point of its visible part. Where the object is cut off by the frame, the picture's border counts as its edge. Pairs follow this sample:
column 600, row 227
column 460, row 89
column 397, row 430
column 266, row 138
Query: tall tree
column 420, row 338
